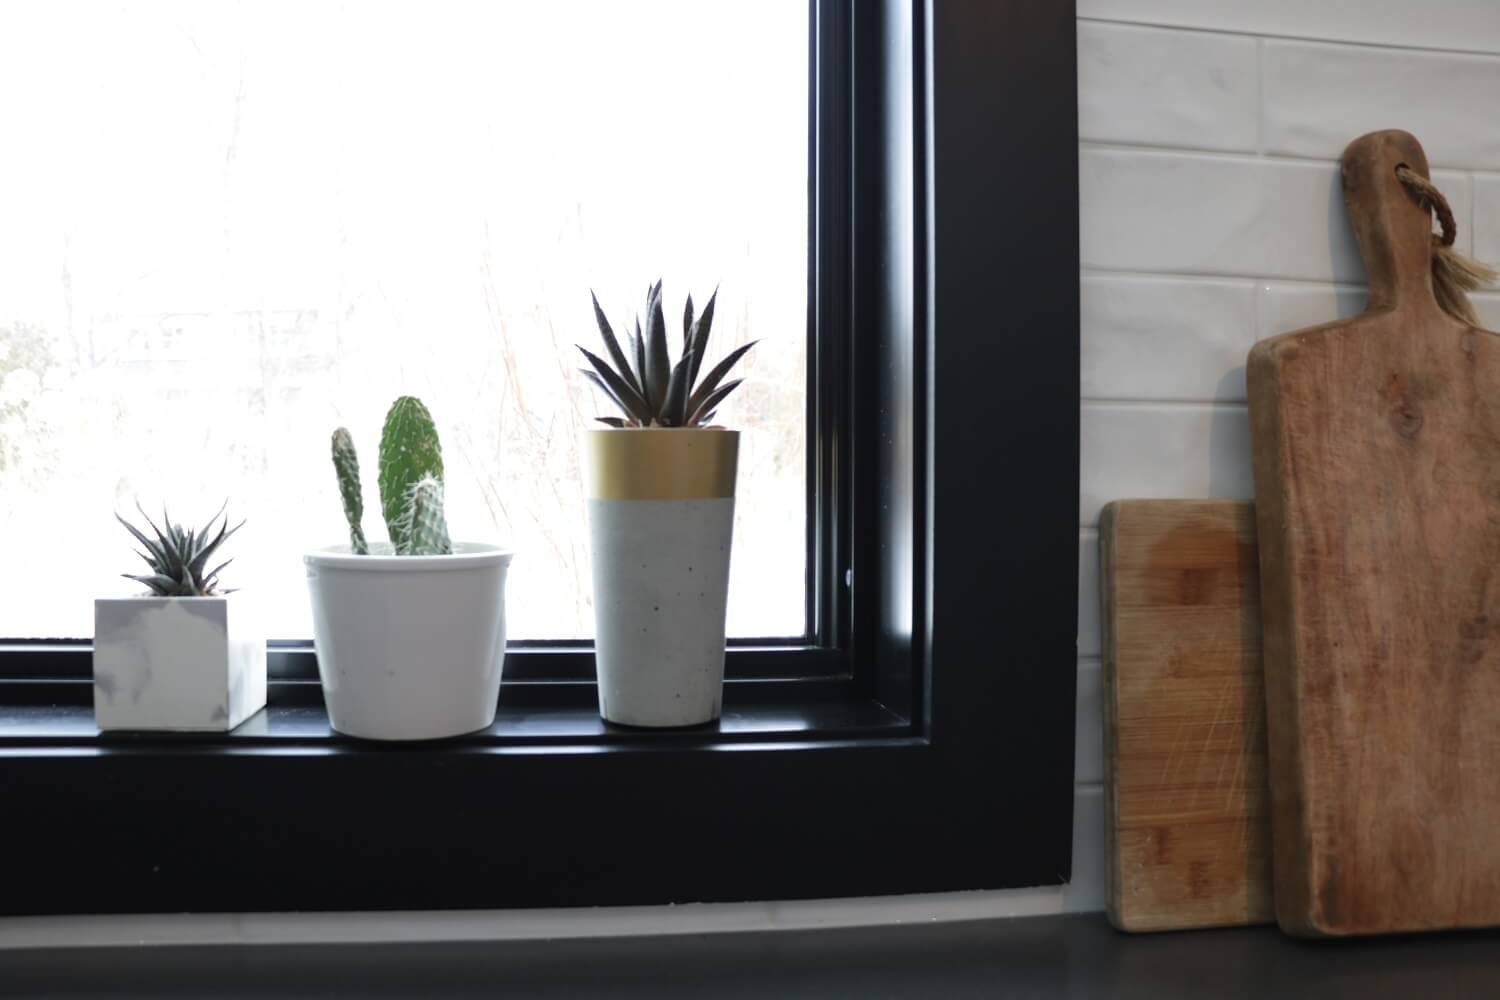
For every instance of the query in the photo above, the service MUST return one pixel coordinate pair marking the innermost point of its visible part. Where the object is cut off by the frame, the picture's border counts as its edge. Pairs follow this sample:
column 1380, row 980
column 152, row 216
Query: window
column 235, row 227
column 919, row 739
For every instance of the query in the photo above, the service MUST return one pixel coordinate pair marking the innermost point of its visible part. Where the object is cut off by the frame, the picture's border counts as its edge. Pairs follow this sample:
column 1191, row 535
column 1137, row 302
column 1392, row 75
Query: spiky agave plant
column 648, row 387
column 179, row 556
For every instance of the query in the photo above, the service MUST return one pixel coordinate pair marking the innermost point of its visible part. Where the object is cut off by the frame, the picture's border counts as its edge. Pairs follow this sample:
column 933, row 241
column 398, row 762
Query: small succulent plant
column 648, row 387
column 411, row 482
column 179, row 556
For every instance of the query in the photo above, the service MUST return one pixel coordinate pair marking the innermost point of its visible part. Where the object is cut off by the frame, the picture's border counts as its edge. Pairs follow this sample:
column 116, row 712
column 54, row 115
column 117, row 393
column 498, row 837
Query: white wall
column 1210, row 217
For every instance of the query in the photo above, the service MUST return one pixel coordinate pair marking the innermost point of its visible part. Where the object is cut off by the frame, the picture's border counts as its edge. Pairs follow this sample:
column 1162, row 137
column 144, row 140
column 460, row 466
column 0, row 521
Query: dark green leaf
column 699, row 345
column 213, row 574
column 613, row 346
column 158, row 555
column 711, row 381
column 602, row 387
column 709, row 405
column 161, row 586
column 161, row 535
column 687, row 324
column 627, row 398
column 638, row 347
column 674, row 410
column 206, row 552
column 611, row 421
column 658, row 361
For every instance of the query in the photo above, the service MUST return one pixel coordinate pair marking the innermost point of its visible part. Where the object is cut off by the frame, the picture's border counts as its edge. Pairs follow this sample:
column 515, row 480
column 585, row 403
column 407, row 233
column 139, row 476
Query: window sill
column 539, row 717
column 549, row 807
column 1076, row 956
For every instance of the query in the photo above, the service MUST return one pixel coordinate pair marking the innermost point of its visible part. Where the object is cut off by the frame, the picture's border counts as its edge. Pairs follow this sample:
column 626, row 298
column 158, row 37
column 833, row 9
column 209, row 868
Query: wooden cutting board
column 1377, row 483
column 1187, row 829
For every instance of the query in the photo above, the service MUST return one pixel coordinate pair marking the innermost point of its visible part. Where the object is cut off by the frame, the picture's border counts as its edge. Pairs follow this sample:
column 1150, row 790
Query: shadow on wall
column 1229, row 450
column 1229, row 429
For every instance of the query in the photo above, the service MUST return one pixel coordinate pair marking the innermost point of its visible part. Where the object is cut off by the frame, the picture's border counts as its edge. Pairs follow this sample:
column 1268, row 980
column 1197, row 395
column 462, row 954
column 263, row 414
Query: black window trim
column 923, row 741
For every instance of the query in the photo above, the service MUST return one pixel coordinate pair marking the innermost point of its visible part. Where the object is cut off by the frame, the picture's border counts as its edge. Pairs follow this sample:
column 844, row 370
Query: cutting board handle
column 1391, row 223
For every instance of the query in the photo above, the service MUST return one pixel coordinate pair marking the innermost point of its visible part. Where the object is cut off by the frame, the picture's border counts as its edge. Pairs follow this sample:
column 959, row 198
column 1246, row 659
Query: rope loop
column 1430, row 197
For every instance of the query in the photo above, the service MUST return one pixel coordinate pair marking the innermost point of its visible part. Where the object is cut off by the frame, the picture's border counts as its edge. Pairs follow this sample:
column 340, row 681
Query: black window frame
column 921, row 741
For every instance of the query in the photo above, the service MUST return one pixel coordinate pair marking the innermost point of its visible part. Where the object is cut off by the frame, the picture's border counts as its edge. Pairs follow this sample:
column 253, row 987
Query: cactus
column 424, row 522
column 411, row 482
column 409, row 453
column 346, row 465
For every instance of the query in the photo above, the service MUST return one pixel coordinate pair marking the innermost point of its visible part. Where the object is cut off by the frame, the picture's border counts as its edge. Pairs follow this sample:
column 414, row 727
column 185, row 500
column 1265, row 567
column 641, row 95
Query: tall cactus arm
column 409, row 453
column 346, row 466
column 428, row 525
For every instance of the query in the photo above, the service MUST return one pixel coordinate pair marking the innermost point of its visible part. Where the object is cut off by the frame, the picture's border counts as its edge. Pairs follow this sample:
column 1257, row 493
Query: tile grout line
column 1256, row 311
column 1124, row 273
column 1244, row 155
column 1473, row 214
column 1136, row 402
column 1260, row 96
column 1394, row 47
column 1098, row 271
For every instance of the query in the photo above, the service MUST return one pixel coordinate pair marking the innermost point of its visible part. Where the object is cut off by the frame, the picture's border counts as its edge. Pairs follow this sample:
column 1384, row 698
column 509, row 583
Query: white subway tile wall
column 1459, row 25
column 1196, row 332
column 1486, row 224
column 1211, row 217
column 1360, row 88
column 1166, row 88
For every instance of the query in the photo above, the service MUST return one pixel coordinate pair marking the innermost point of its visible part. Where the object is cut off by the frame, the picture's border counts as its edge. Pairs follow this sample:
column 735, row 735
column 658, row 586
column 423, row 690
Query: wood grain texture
column 1187, row 832
column 1377, row 483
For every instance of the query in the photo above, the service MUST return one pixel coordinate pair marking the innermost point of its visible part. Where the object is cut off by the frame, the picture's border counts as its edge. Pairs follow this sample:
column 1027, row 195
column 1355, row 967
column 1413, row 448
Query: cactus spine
column 409, row 453
column 346, row 466
column 427, row 528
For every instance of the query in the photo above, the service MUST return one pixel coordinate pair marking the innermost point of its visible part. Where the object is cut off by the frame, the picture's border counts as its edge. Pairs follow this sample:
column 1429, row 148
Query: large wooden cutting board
column 1187, row 829
column 1377, row 482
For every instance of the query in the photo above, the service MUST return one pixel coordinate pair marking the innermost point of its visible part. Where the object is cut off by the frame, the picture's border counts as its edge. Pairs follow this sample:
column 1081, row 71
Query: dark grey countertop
column 1068, row 957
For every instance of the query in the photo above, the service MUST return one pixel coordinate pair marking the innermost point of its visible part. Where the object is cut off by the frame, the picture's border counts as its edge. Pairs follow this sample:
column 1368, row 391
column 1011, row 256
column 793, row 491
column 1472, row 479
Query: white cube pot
column 661, row 520
column 189, row 664
column 409, row 647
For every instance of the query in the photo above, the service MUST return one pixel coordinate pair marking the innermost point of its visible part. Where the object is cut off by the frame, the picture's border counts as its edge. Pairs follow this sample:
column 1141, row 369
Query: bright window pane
column 227, row 228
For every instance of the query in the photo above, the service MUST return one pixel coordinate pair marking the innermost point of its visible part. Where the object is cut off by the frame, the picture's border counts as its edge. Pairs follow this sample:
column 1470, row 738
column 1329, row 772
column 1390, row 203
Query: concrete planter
column 661, row 517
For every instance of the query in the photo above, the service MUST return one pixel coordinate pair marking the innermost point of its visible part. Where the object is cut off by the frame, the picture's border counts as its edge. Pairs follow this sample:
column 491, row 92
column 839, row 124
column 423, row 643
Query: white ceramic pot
column 409, row 647
column 177, row 663
column 661, row 518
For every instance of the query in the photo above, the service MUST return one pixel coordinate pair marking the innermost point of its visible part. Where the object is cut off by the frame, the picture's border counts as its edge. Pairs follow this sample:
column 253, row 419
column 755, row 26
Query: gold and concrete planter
column 661, row 519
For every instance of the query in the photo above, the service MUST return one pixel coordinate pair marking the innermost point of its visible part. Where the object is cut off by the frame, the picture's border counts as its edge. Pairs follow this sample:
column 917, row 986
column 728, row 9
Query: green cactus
column 424, row 521
column 411, row 482
column 346, row 466
column 409, row 453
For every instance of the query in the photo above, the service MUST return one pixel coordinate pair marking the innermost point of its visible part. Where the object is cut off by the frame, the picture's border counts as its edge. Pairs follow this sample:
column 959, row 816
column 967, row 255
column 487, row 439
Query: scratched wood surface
column 1377, row 482
column 1188, row 835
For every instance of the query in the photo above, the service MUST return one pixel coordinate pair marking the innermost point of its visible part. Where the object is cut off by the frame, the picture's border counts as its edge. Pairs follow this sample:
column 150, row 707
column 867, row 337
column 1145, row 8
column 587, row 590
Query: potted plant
column 410, row 634
column 660, row 484
column 186, row 655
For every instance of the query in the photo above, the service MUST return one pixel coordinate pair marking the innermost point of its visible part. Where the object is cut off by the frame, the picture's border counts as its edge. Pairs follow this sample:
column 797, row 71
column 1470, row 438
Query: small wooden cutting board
column 1377, row 483
column 1187, row 829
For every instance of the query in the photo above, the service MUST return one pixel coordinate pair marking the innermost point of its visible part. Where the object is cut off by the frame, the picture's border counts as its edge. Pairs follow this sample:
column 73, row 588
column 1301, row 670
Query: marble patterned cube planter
column 177, row 663
column 661, row 519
